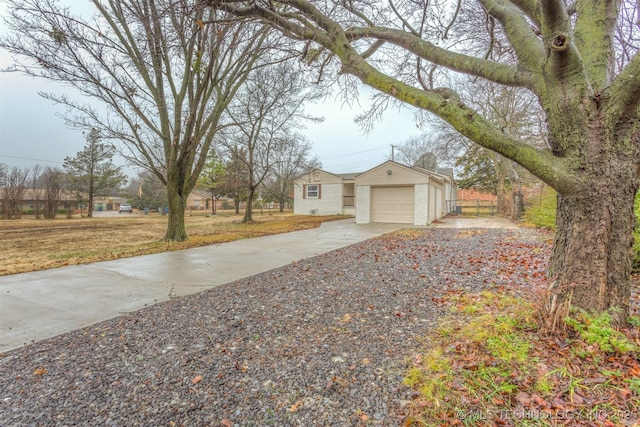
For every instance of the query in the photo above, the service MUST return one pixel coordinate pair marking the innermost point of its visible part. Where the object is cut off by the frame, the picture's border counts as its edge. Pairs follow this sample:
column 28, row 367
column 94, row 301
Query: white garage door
column 392, row 204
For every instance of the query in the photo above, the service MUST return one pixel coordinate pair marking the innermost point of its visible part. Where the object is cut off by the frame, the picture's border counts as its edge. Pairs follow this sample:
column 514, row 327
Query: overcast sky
column 32, row 133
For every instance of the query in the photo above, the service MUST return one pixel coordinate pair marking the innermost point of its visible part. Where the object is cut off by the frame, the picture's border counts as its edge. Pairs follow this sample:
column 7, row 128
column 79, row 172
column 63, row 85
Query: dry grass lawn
column 29, row 244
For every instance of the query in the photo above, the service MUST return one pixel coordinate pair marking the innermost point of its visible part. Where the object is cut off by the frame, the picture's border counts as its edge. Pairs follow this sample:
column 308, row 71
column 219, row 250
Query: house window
column 312, row 191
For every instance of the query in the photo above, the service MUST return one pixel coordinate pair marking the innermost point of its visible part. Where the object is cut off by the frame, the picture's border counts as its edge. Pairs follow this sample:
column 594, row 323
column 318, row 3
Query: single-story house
column 110, row 203
column 200, row 199
column 32, row 197
column 390, row 192
column 324, row 193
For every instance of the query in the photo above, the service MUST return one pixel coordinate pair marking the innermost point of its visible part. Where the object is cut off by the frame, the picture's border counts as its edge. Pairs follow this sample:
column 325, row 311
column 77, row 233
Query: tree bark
column 176, row 230
column 518, row 206
column 248, row 210
column 90, row 201
column 591, row 261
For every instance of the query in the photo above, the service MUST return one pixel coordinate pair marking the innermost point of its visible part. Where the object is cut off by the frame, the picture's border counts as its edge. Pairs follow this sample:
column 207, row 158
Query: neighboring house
column 200, row 199
column 110, row 203
column 388, row 193
column 31, row 197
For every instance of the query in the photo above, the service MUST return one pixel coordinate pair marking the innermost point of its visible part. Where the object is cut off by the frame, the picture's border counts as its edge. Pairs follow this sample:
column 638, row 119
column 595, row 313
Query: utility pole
column 393, row 157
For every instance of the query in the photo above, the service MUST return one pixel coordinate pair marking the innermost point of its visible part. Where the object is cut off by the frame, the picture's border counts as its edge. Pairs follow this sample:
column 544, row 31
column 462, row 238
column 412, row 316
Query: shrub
column 543, row 214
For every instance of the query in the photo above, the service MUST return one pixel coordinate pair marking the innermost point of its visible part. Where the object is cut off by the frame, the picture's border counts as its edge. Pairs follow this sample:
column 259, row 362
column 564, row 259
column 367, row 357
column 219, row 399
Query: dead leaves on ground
column 561, row 380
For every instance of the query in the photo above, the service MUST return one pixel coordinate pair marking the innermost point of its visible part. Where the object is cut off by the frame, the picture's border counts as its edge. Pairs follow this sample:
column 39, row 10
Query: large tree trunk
column 176, row 230
column 591, row 262
column 248, row 211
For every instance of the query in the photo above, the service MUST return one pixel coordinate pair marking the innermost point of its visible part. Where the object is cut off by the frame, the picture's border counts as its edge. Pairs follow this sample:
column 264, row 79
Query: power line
column 354, row 166
column 353, row 154
column 29, row 158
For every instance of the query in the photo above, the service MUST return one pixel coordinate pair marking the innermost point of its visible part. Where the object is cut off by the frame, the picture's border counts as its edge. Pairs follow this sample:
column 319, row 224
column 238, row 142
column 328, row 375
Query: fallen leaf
column 346, row 318
column 39, row 372
column 197, row 379
column 417, row 360
column 226, row 423
column 625, row 392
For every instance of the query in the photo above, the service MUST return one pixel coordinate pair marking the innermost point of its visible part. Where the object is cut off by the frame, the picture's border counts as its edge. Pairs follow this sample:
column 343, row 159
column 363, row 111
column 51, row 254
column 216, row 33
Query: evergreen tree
column 91, row 172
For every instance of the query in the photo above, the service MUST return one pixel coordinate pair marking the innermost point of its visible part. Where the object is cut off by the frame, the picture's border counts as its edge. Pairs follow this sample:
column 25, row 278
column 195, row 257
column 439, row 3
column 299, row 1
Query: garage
column 392, row 204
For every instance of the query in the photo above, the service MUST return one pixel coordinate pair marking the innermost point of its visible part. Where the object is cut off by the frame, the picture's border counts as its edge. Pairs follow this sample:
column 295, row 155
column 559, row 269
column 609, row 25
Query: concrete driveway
column 42, row 304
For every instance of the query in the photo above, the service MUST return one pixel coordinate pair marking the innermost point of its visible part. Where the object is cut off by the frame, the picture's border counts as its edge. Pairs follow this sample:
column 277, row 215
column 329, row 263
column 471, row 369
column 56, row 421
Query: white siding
column 421, row 207
column 432, row 203
column 363, row 194
column 329, row 203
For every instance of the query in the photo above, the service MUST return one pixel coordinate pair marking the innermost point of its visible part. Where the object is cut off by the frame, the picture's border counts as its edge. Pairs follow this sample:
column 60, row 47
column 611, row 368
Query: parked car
column 125, row 207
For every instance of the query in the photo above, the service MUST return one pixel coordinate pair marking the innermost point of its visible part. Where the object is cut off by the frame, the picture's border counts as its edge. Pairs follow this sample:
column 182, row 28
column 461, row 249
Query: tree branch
column 490, row 70
column 541, row 163
column 564, row 62
column 528, row 48
column 531, row 8
column 372, row 49
column 404, row 21
column 326, row 29
column 593, row 36
column 624, row 92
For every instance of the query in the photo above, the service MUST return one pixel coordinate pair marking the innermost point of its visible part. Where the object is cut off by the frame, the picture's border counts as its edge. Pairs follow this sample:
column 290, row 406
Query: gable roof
column 319, row 170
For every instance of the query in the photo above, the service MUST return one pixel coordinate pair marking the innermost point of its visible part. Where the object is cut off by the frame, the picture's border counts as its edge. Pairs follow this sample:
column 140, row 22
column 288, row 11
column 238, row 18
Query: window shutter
column 319, row 186
column 304, row 191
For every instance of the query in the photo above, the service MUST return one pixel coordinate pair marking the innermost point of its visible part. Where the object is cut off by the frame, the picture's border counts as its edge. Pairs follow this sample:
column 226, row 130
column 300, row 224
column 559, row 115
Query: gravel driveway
column 323, row 341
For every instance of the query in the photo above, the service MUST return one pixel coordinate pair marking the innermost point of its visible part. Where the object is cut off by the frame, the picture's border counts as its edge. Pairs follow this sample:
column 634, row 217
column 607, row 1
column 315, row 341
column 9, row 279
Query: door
column 392, row 204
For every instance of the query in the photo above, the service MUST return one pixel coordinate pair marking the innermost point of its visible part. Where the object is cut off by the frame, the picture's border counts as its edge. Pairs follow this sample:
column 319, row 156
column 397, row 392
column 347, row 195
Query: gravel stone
column 320, row 342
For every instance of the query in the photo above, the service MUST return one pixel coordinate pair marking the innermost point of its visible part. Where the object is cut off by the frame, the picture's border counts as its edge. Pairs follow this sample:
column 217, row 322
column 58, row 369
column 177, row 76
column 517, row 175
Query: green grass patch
column 488, row 361
column 597, row 329
column 543, row 213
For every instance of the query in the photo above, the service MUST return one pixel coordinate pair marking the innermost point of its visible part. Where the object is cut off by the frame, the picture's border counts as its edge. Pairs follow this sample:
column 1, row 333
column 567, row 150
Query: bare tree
column 15, row 184
column 293, row 160
column 37, row 192
column 164, row 70
column 518, row 115
column 52, row 179
column 581, row 64
column 4, row 177
column 423, row 151
column 267, row 107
